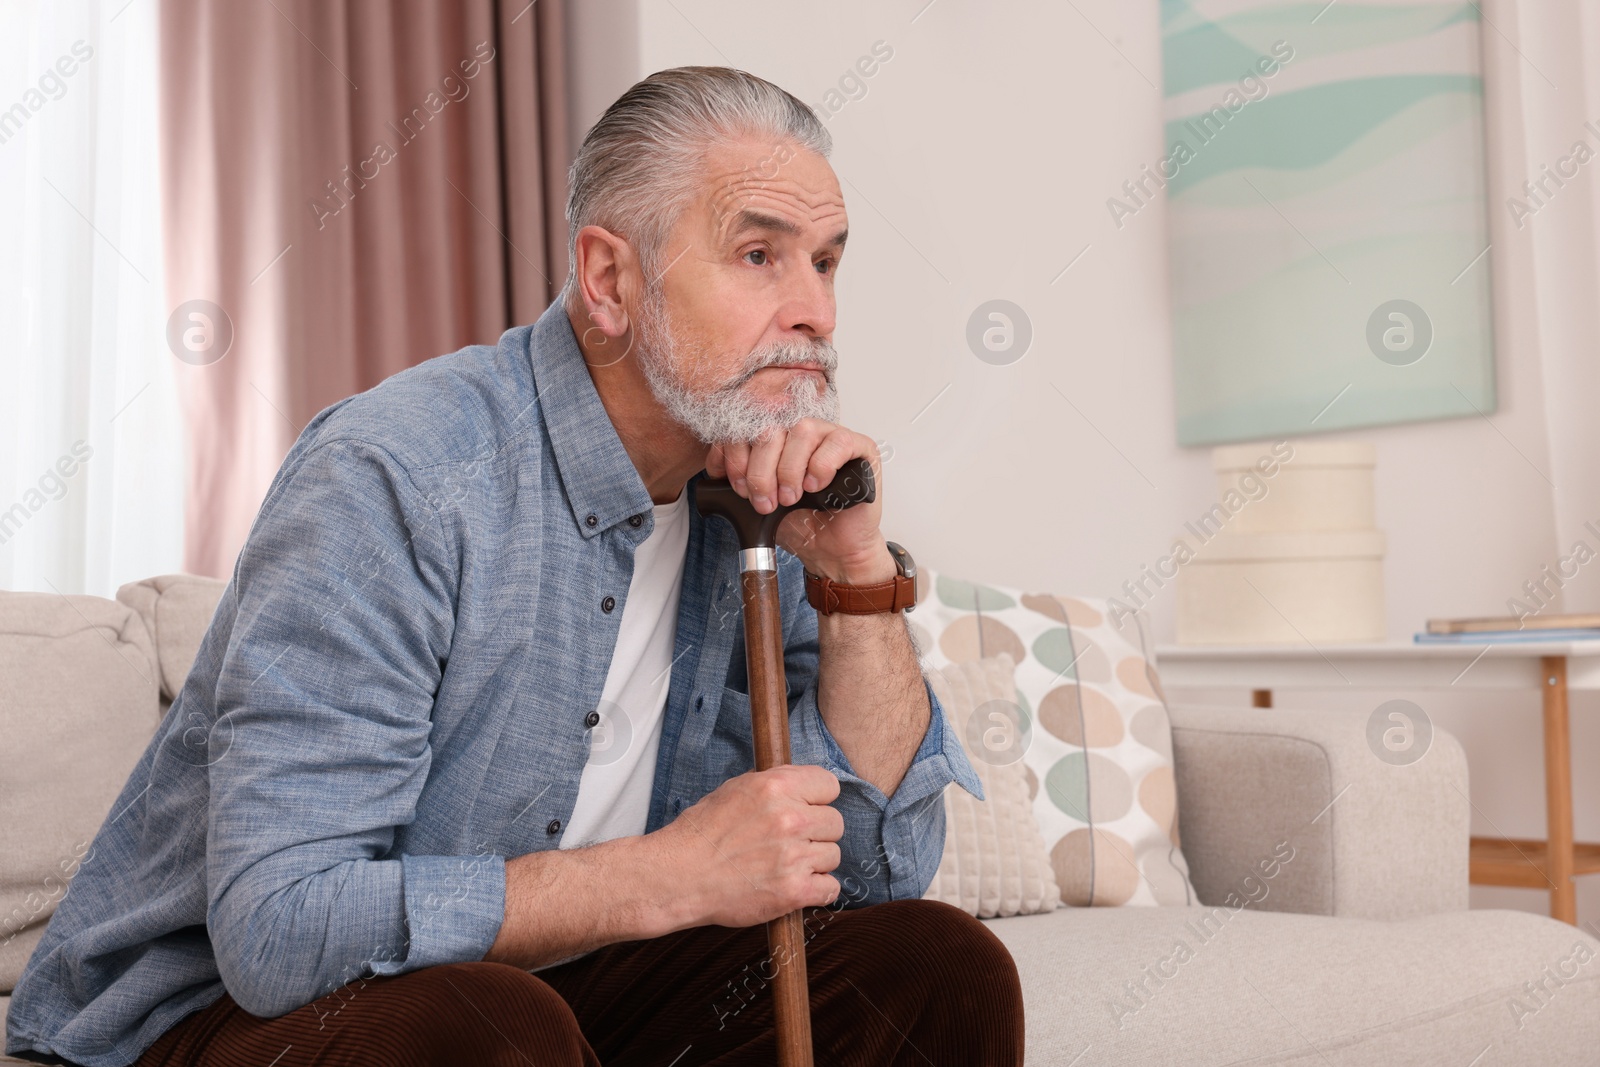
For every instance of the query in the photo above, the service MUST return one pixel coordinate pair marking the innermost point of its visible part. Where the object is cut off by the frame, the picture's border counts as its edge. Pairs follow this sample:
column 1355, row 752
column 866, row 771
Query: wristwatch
column 897, row 594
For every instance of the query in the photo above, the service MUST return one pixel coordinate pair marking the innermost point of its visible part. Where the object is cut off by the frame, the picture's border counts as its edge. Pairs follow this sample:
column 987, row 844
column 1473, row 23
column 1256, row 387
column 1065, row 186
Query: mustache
column 820, row 352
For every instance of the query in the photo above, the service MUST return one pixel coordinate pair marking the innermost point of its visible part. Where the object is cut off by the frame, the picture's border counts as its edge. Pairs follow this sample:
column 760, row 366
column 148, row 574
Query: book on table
column 1515, row 624
column 1507, row 637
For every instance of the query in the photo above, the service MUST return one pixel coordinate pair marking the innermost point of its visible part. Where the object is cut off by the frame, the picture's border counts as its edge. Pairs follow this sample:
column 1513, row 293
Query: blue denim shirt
column 390, row 700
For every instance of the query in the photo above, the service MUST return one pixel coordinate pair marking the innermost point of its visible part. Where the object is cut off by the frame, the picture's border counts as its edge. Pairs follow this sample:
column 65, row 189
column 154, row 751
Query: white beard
column 730, row 413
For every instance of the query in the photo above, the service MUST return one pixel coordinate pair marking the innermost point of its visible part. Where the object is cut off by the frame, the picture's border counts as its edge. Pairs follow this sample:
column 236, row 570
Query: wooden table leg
column 1558, row 791
column 1261, row 698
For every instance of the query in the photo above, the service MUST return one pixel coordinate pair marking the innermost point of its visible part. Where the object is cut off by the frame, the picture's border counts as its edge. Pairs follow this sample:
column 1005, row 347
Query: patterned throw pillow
column 1089, row 725
column 994, row 863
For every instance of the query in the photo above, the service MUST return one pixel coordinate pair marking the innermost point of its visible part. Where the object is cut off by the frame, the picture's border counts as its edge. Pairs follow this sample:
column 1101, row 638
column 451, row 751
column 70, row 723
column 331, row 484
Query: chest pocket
column 738, row 675
column 731, row 750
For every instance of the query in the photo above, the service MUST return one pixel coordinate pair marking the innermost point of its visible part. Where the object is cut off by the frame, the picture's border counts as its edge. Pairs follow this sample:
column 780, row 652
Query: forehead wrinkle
column 742, row 181
column 787, row 203
column 782, row 187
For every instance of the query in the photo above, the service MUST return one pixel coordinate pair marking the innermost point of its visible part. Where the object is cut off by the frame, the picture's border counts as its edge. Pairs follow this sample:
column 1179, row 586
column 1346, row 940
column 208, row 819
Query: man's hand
column 758, row 846
column 869, row 688
column 845, row 546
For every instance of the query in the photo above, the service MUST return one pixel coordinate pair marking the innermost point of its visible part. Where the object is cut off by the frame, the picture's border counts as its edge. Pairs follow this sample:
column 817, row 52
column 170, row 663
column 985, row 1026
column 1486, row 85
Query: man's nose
column 809, row 304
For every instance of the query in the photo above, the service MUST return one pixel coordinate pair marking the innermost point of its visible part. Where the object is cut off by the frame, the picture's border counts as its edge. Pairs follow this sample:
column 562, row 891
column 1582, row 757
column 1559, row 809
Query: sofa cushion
column 994, row 860
column 1094, row 731
column 81, row 687
column 177, row 610
column 1239, row 986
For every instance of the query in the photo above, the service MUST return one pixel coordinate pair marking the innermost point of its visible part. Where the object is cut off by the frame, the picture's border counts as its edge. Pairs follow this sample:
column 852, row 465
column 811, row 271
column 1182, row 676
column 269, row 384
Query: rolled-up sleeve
column 344, row 618
column 892, row 845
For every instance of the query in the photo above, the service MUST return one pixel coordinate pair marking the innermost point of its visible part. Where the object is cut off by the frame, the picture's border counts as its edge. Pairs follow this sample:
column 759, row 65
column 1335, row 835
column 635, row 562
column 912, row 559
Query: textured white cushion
column 994, row 861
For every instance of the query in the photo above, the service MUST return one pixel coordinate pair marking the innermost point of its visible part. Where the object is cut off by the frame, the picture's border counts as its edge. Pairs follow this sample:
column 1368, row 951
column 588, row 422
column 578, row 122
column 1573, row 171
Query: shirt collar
column 603, row 487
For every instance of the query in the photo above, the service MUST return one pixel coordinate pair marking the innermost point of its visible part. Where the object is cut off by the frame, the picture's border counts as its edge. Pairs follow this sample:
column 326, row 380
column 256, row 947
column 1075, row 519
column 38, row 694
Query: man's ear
column 607, row 269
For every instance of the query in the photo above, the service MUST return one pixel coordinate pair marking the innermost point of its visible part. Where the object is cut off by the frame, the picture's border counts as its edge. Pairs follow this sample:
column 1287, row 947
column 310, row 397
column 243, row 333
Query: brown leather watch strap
column 828, row 597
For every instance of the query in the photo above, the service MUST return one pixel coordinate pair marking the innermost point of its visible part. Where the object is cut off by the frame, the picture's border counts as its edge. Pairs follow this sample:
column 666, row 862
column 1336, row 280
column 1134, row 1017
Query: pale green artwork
column 1324, row 172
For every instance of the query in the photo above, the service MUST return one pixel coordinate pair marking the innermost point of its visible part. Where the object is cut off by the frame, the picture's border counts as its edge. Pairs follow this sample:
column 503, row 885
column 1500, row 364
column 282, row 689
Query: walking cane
column 769, row 703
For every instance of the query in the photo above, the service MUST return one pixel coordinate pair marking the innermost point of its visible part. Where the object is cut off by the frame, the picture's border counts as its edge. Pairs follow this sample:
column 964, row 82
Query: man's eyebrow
column 758, row 220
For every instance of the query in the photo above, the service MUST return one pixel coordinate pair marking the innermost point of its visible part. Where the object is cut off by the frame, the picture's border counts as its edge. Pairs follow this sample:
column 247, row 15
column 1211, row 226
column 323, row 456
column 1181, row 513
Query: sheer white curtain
column 91, row 463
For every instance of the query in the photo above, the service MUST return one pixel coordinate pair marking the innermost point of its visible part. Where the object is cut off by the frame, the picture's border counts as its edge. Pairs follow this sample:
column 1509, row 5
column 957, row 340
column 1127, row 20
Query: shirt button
column 591, row 520
column 636, row 521
column 592, row 719
column 608, row 603
column 554, row 827
column 699, row 701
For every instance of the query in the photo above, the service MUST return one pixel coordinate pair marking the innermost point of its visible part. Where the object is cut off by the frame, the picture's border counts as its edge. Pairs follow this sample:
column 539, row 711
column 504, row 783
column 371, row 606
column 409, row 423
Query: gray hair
column 639, row 167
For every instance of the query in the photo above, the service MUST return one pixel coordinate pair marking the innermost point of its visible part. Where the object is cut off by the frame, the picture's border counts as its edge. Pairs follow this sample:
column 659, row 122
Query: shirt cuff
column 907, row 823
column 939, row 760
column 948, row 744
column 454, row 908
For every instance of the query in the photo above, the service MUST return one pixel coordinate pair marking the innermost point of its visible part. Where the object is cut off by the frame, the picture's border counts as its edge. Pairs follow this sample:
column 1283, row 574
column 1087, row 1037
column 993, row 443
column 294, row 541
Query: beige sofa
column 1358, row 950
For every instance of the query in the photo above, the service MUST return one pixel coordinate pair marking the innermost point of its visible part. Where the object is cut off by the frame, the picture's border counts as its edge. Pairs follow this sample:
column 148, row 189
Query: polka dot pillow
column 1089, row 724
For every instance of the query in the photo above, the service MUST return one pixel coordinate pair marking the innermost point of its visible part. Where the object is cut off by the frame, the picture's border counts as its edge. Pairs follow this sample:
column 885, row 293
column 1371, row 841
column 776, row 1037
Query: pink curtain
column 353, row 186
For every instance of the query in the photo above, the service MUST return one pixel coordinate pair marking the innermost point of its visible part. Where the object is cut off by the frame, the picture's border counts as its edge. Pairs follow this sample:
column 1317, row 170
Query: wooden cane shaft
column 763, row 656
column 791, row 995
column 769, row 730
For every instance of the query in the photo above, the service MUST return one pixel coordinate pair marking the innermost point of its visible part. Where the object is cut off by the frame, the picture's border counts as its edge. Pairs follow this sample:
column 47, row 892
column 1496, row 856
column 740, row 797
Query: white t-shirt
column 614, row 793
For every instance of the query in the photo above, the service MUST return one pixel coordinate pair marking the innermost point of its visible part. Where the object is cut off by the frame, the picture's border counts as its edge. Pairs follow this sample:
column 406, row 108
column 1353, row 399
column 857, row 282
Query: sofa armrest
column 1370, row 839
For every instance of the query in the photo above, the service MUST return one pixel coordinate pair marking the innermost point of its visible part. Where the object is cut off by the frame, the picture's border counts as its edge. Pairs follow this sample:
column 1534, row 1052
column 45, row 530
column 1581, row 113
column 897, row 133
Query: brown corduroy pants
column 905, row 982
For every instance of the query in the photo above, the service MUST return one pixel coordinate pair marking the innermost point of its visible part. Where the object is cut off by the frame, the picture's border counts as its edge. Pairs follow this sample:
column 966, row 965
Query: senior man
column 463, row 770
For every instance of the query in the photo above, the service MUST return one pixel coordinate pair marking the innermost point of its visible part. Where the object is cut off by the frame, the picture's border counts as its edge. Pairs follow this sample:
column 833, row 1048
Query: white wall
column 977, row 166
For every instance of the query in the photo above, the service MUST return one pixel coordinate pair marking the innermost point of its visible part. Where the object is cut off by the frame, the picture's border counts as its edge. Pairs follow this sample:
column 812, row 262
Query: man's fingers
column 761, row 474
column 798, row 453
column 775, row 470
column 827, row 889
column 812, row 784
column 826, row 856
column 716, row 463
column 832, row 452
column 735, row 459
column 831, row 827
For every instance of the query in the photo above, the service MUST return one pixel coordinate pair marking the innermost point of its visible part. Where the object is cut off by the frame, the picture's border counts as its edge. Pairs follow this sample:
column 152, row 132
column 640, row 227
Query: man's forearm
column 869, row 685
column 563, row 902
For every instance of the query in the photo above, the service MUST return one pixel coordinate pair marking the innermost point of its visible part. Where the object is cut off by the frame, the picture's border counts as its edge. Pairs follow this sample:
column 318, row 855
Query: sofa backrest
column 84, row 683
column 177, row 610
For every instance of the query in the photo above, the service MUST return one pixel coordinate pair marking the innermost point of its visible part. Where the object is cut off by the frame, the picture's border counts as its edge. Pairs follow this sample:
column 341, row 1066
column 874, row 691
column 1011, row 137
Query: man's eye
column 824, row 265
column 757, row 252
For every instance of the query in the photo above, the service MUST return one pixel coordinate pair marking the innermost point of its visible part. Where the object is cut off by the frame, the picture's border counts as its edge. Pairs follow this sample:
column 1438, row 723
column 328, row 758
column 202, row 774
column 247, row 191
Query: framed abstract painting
column 1328, row 229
